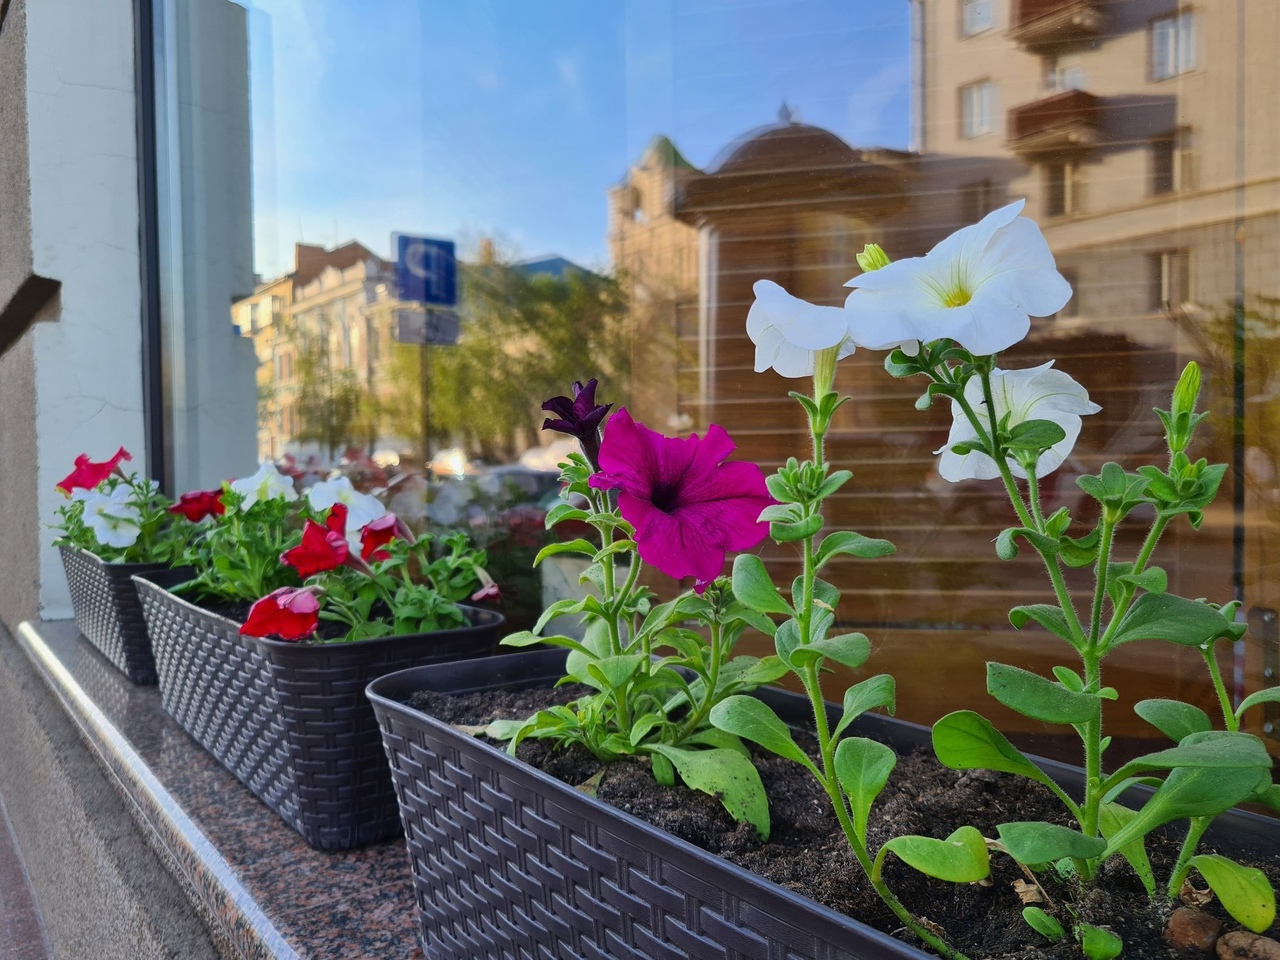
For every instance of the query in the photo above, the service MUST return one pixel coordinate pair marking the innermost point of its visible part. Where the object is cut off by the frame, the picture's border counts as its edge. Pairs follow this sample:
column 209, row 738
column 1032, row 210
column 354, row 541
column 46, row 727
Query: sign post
column 426, row 274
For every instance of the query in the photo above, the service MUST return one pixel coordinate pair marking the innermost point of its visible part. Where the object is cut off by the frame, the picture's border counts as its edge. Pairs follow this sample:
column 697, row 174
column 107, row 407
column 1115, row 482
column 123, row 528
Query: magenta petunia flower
column 687, row 505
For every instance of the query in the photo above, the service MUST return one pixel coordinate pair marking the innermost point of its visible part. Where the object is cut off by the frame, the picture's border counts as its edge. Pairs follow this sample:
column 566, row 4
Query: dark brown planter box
column 510, row 862
column 290, row 720
column 108, row 612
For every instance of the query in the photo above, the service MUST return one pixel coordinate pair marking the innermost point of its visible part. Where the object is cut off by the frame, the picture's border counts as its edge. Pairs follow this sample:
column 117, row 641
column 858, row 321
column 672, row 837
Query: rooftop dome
column 785, row 146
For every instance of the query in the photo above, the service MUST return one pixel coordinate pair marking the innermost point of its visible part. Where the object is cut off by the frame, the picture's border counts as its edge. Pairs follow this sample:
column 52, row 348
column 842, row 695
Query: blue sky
column 511, row 118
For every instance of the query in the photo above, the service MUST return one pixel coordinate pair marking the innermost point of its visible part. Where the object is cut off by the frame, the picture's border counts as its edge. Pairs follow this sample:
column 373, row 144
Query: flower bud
column 873, row 257
column 1187, row 392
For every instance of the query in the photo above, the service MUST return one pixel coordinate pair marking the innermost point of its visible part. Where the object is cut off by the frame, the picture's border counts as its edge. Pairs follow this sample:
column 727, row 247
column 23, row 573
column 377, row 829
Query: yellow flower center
column 957, row 296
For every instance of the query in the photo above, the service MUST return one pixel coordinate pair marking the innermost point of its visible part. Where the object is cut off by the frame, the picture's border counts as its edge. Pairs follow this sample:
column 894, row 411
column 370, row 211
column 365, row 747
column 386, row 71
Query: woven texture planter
column 510, row 863
column 108, row 612
column 290, row 720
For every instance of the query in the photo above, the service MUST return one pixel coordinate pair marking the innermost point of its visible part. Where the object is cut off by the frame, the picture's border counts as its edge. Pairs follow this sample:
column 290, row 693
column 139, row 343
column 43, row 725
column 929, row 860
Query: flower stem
column 1195, row 830
column 1228, row 712
column 694, row 720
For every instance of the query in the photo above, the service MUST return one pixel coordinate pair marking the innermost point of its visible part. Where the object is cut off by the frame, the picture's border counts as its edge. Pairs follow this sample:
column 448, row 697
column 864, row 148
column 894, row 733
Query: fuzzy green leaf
column 877, row 691
column 752, row 720
column 1098, row 944
column 863, row 767
column 1112, row 818
column 1043, row 924
column 960, row 858
column 1033, row 696
column 1244, row 892
column 1048, row 616
column 848, row 543
column 849, row 649
column 1032, row 842
column 964, row 740
column 726, row 775
column 753, row 586
column 1169, row 617
column 1173, row 718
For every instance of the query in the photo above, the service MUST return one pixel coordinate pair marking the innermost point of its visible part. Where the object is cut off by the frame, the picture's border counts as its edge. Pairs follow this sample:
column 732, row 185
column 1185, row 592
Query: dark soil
column 807, row 851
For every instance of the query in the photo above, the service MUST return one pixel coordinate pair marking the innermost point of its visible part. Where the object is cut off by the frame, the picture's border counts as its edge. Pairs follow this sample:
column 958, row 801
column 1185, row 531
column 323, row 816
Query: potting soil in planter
column 807, row 852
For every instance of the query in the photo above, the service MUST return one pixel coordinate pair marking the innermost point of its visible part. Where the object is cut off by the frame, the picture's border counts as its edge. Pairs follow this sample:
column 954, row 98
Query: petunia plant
column 953, row 310
column 657, row 669
column 118, row 517
column 798, row 339
column 393, row 584
column 1021, row 424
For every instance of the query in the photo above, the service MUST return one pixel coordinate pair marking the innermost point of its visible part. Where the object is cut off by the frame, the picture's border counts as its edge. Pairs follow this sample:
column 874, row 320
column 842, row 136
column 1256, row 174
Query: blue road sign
column 426, row 270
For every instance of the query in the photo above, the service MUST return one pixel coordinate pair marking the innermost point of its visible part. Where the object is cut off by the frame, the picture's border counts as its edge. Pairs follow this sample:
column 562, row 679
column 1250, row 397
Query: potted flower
column 112, row 526
column 507, row 859
column 264, row 647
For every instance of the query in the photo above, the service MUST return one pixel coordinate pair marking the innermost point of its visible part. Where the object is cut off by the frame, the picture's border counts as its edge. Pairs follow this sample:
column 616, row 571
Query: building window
column 1062, row 189
column 1170, row 280
column 978, row 108
column 975, row 16
column 1171, row 163
column 1066, row 73
column 1173, row 45
column 976, row 201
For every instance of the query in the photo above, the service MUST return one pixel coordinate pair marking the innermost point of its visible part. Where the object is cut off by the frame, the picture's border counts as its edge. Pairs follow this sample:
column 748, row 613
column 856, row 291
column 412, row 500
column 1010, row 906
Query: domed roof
column 785, row 146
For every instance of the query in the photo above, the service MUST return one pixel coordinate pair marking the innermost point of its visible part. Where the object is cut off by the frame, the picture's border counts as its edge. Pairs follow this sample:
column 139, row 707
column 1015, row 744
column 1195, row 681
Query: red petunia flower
column 287, row 613
column 322, row 548
column 198, row 504
column 688, row 506
column 378, row 533
column 88, row 473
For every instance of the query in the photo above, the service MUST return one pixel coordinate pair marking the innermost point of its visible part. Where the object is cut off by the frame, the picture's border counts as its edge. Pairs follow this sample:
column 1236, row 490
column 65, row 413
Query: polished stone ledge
column 269, row 893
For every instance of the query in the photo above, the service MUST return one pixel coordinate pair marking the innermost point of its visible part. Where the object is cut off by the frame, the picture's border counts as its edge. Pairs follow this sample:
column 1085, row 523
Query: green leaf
column 1211, row 749
column 863, row 767
column 783, row 532
column 752, row 720
column 753, row 586
column 1048, row 616
column 663, row 771
column 960, row 858
column 1189, row 792
column 1098, row 944
column 1152, row 579
column 560, row 608
column 1043, row 924
column 1035, row 435
column 1058, row 522
column 848, row 543
column 1069, row 678
column 500, row 729
column 965, row 740
column 877, row 691
column 1268, row 795
column 585, row 547
column 1270, row 695
column 564, row 511
column 1169, row 617
column 1032, row 842
column 1173, row 718
column 833, row 483
column 1112, row 817
column 790, row 512
column 1081, row 552
column 615, row 672
column 726, row 775
column 1007, row 547
column 711, row 737
column 849, row 649
column 787, row 640
column 1034, row 696
column 644, row 726
column 1244, row 892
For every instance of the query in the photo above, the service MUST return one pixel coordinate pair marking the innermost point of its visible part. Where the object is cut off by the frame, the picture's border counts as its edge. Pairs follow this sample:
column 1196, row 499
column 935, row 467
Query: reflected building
column 1121, row 124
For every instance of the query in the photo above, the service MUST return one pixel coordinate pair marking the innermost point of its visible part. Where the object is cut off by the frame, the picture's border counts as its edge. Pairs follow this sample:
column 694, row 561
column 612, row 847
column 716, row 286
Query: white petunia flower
column 1040, row 393
column 112, row 517
column 362, row 508
column 267, row 484
column 979, row 287
column 788, row 332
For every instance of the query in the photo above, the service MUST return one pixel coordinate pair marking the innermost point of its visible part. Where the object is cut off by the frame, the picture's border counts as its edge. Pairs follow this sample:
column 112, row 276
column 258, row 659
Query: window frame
column 1182, row 54
column 966, row 29
column 990, row 107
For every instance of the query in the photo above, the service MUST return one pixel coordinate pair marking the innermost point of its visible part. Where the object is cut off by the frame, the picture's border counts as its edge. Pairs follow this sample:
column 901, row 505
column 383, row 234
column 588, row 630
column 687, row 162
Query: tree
column 330, row 401
column 524, row 337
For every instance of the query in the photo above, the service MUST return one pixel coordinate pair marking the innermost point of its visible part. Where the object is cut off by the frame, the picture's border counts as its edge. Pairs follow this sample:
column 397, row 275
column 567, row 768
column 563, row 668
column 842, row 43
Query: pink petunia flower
column 688, row 506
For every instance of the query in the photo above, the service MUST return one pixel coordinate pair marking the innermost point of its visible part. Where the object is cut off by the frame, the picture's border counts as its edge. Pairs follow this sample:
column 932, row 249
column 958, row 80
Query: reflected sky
column 505, row 119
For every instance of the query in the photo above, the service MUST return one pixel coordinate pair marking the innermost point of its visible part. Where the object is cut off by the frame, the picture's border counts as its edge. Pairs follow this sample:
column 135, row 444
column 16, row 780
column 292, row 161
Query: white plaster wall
column 84, row 227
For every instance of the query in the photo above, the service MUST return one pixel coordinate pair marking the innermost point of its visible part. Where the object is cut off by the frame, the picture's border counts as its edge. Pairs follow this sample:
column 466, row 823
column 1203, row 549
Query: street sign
column 426, row 270
column 427, row 326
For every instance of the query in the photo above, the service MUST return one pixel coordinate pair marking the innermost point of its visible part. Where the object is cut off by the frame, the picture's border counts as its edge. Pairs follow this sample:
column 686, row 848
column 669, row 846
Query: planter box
column 108, row 612
column 510, row 862
column 290, row 720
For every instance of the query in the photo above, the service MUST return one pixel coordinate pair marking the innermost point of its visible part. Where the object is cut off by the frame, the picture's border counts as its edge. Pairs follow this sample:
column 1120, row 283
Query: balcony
column 1045, row 23
column 1066, row 122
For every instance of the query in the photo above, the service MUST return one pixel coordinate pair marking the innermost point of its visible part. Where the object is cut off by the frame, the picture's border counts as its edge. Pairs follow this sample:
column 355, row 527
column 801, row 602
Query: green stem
column 695, row 719
column 1195, row 830
column 610, row 587
column 1105, row 541
column 1139, row 564
column 1224, row 699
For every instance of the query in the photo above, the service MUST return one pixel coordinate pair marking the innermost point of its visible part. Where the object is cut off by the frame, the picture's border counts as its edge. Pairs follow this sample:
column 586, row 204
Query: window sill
column 270, row 895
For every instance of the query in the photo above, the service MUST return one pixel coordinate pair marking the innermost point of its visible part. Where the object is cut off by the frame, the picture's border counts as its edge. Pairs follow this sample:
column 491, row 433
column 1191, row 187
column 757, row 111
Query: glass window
column 592, row 190
column 975, row 16
column 978, row 108
column 1173, row 45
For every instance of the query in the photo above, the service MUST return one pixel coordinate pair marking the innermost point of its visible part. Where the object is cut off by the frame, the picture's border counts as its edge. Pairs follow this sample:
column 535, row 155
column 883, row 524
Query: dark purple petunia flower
column 580, row 417
column 688, row 506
